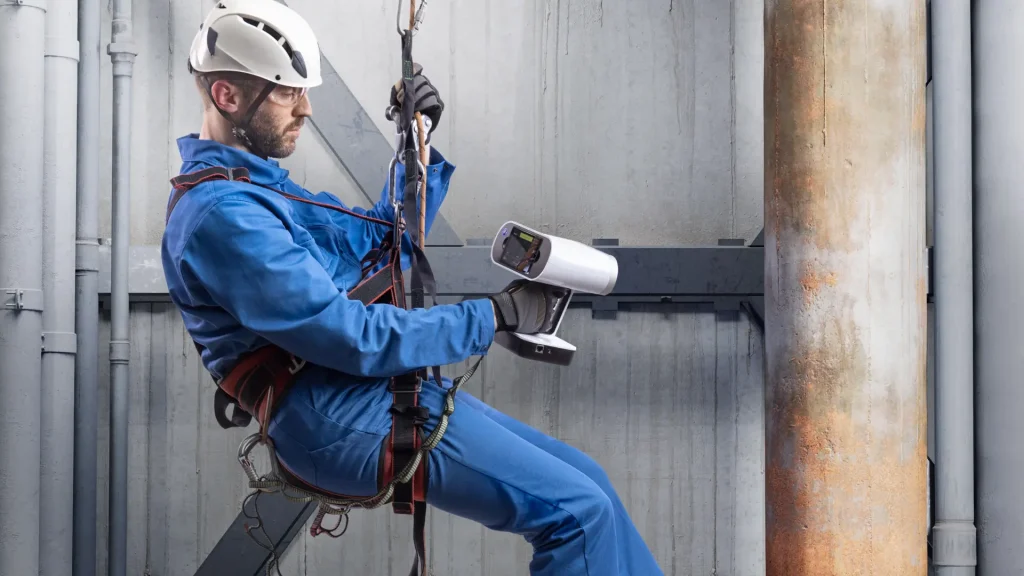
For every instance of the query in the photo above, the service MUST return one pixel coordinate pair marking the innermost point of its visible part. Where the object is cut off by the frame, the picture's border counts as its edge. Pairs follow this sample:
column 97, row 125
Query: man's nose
column 304, row 107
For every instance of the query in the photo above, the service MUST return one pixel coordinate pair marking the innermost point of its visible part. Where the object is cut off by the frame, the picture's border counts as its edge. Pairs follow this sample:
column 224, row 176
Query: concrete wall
column 635, row 120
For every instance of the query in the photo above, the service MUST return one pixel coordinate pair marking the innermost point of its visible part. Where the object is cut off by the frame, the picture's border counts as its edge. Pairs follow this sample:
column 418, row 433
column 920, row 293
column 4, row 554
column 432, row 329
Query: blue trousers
column 488, row 468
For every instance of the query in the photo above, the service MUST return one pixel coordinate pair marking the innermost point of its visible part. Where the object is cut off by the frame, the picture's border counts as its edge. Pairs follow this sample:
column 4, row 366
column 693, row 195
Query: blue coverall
column 248, row 267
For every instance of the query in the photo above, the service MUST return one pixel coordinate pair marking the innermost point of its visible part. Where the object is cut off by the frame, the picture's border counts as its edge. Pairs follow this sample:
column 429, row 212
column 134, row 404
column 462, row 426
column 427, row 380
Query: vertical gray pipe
column 999, row 278
column 87, row 321
column 122, row 55
column 22, row 50
column 56, row 496
column 954, row 538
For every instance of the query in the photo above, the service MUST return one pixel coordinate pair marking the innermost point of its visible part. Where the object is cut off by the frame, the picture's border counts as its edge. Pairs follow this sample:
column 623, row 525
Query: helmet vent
column 272, row 32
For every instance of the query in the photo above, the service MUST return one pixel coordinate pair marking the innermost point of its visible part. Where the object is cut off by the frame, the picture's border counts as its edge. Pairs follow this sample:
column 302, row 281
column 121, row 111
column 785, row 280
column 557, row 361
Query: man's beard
column 267, row 139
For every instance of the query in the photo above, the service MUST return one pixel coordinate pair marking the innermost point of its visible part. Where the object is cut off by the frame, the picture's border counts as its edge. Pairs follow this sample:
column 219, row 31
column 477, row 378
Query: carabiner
column 398, row 19
column 244, row 449
column 417, row 18
column 392, row 182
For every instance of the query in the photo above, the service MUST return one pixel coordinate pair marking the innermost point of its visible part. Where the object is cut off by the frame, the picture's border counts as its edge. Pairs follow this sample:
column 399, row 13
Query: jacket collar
column 194, row 150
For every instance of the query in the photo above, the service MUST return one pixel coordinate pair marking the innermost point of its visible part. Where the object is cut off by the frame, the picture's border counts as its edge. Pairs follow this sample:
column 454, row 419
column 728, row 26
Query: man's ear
column 227, row 96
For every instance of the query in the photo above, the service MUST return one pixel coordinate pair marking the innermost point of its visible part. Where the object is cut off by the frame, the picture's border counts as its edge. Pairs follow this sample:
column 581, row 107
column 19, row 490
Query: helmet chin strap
column 240, row 129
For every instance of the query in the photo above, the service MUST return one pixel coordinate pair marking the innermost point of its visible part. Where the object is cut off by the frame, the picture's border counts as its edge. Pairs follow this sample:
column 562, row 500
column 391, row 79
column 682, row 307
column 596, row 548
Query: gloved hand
column 527, row 307
column 427, row 101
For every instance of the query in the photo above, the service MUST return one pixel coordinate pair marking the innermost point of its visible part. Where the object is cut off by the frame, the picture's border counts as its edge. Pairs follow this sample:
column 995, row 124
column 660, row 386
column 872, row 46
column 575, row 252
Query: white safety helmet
column 263, row 38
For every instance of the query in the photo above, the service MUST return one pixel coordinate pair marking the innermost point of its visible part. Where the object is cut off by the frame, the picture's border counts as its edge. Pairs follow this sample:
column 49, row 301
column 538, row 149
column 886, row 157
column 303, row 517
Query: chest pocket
column 335, row 254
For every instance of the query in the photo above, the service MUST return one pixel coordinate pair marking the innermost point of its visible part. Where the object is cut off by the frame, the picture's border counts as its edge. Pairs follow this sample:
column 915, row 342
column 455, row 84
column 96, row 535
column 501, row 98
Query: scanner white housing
column 555, row 261
column 552, row 260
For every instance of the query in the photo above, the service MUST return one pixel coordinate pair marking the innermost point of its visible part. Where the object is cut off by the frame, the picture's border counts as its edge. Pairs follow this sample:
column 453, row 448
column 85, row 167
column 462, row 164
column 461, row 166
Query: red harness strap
column 261, row 378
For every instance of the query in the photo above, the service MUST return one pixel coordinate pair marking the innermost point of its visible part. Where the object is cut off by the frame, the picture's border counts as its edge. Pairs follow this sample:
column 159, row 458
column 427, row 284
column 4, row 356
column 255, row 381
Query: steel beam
column 238, row 554
column 358, row 145
column 727, row 275
column 845, row 291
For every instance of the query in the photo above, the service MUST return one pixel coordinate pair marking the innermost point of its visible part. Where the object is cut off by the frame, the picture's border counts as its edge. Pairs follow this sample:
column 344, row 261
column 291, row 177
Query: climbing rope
column 415, row 17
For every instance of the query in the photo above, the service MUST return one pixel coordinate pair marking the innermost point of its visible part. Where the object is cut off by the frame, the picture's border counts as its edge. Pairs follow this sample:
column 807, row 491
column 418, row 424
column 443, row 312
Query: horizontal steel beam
column 665, row 274
column 730, row 276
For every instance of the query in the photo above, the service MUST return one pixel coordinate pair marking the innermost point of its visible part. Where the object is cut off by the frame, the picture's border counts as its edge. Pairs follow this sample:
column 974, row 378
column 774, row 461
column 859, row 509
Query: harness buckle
column 393, row 389
column 296, row 364
column 418, row 414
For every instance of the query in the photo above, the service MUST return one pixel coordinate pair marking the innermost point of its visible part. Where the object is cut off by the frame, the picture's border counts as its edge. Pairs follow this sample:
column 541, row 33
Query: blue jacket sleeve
column 245, row 259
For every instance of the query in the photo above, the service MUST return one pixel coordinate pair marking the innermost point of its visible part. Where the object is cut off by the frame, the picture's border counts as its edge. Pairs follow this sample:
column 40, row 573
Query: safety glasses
column 286, row 95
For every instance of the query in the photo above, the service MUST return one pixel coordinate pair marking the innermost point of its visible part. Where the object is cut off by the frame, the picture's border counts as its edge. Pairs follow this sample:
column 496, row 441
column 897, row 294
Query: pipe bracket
column 126, row 49
column 38, row 4
column 60, row 343
column 62, row 47
column 120, row 351
column 22, row 299
column 87, row 255
column 955, row 543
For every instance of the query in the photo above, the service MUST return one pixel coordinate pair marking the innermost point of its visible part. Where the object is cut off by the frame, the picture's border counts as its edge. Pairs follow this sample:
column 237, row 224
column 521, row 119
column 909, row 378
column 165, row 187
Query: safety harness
column 260, row 379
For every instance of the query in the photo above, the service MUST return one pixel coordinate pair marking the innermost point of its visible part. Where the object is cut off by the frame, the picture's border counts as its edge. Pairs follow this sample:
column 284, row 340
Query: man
column 252, row 264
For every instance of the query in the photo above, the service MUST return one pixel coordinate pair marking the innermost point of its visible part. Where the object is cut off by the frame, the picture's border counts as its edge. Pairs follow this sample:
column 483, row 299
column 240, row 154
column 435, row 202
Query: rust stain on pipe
column 845, row 288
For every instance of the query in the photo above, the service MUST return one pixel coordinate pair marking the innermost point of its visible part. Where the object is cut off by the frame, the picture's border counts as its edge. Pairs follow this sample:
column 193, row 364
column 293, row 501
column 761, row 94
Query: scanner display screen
column 521, row 249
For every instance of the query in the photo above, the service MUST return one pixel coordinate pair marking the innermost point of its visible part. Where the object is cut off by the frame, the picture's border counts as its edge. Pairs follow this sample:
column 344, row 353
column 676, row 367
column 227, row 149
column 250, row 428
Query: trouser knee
column 587, row 515
column 598, row 511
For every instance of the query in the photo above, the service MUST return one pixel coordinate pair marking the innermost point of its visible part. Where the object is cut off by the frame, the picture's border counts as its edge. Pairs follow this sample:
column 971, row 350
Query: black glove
column 427, row 102
column 527, row 307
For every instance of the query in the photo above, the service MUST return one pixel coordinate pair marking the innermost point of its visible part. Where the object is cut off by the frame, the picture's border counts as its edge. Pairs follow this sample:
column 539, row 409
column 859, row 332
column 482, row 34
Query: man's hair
column 247, row 84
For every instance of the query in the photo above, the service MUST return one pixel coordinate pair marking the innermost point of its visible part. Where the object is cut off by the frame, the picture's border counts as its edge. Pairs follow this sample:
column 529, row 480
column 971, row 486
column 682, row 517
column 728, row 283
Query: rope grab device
column 259, row 379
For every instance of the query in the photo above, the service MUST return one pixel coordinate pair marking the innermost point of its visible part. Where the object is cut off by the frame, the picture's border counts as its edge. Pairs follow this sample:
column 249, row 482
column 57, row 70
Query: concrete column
column 22, row 50
column 999, row 283
column 845, row 288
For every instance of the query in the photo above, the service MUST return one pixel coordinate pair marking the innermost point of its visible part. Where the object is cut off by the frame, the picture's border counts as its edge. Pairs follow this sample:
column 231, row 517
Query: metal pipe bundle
column 122, row 55
column 59, row 344
column 845, row 288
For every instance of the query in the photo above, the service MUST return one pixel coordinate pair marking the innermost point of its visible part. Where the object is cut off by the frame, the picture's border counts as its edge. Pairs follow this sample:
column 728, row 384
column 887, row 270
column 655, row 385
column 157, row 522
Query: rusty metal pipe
column 845, row 288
